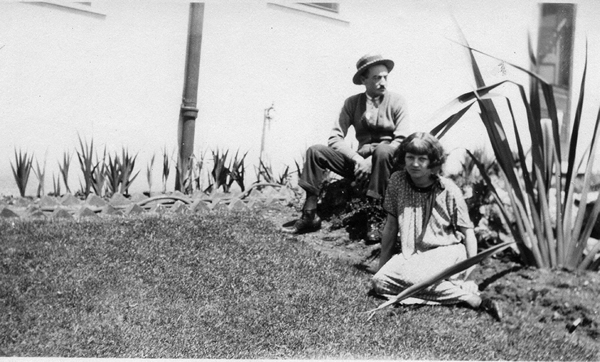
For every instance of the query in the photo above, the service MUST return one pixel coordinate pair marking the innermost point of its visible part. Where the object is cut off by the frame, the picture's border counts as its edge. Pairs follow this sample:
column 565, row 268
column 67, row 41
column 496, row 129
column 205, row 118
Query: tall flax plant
column 21, row 170
column 533, row 181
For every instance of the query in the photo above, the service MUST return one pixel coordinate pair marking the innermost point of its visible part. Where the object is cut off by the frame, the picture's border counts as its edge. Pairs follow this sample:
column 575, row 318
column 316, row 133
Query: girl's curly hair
column 420, row 143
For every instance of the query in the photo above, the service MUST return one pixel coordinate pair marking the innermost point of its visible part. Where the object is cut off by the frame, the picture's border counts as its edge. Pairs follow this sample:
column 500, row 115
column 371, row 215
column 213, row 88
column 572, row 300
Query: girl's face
column 417, row 166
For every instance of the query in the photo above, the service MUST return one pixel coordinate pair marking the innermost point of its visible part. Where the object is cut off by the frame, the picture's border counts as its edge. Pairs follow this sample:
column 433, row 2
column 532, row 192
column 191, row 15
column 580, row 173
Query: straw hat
column 370, row 60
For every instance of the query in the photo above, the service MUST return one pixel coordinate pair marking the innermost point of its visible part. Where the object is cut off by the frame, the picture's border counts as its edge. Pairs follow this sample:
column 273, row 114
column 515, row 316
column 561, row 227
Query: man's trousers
column 320, row 158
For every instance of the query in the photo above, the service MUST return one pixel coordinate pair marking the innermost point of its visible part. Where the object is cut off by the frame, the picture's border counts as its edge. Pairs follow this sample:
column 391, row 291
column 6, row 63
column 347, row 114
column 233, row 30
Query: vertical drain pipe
column 189, row 110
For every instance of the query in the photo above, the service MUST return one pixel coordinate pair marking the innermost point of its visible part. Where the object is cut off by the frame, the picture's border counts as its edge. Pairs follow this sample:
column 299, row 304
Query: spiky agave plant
column 165, row 170
column 99, row 175
column 64, row 169
column 545, row 239
column 127, row 169
column 149, row 173
column 40, row 173
column 21, row 170
column 84, row 155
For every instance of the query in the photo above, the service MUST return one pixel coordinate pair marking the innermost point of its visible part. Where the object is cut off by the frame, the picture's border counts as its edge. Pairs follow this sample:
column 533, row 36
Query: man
column 380, row 121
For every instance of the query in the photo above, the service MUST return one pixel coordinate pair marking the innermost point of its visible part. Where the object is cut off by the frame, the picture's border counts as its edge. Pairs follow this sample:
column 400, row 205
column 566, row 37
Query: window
column 333, row 7
column 555, row 44
column 326, row 10
column 82, row 7
column 555, row 60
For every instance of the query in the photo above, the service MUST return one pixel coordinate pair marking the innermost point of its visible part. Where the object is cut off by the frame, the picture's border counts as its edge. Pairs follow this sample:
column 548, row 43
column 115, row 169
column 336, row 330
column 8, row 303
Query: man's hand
column 362, row 168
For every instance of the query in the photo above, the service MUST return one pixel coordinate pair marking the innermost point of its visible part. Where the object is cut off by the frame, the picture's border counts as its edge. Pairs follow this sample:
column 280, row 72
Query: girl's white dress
column 440, row 247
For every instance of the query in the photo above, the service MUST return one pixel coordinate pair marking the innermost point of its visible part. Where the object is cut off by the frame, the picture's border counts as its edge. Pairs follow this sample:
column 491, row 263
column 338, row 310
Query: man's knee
column 315, row 151
column 383, row 150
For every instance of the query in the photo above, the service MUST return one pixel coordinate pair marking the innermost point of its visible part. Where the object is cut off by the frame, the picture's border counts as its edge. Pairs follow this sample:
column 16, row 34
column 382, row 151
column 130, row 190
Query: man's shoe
column 304, row 225
column 492, row 308
column 373, row 234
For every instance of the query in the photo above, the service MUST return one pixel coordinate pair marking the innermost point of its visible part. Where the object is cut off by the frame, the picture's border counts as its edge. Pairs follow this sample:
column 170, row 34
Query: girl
column 427, row 229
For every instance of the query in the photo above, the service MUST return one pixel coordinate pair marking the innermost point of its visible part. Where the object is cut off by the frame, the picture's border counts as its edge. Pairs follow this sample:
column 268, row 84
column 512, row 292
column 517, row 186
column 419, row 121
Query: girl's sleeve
column 390, row 203
column 461, row 211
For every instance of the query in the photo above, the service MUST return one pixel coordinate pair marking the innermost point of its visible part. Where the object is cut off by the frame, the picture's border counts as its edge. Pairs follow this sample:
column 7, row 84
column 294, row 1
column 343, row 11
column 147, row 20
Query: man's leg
column 382, row 161
column 318, row 160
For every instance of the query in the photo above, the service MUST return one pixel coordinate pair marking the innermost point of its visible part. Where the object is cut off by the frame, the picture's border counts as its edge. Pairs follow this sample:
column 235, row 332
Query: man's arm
column 340, row 130
column 401, row 121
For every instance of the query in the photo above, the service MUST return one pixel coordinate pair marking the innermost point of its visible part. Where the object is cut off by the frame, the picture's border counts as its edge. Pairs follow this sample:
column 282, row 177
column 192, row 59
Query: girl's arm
column 470, row 245
column 388, row 239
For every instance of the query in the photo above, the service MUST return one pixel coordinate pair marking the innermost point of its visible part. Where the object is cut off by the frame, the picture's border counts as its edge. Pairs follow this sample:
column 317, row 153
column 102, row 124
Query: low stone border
column 71, row 207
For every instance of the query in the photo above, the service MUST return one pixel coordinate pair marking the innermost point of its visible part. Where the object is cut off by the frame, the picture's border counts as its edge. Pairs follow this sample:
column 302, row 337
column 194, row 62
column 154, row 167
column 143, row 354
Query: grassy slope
column 222, row 286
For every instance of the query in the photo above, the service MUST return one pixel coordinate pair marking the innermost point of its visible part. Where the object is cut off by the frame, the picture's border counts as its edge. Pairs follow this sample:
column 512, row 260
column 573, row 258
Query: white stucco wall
column 118, row 78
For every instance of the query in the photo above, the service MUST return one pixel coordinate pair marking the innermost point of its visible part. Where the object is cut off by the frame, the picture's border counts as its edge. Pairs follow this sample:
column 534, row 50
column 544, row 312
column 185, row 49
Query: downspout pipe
column 189, row 111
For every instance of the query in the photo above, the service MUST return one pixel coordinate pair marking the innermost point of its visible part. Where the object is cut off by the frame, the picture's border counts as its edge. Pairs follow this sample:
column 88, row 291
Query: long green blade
column 576, row 124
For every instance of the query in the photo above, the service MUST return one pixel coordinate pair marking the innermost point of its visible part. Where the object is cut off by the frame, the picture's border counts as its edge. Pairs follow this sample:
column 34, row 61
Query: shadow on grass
column 486, row 282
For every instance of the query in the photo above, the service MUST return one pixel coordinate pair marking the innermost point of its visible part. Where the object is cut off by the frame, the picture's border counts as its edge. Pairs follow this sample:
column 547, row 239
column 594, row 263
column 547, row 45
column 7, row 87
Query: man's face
column 375, row 80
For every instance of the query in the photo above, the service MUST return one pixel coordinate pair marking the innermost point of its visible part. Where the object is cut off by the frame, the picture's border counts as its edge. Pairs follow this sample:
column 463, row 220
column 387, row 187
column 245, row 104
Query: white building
column 113, row 71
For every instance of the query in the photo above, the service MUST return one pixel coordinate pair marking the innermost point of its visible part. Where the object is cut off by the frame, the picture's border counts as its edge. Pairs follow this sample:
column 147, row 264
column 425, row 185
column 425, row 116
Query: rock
column 70, row 200
column 84, row 212
column 108, row 209
column 7, row 213
column 179, row 208
column 48, row 202
column 61, row 213
column 119, row 200
column 219, row 206
column 138, row 197
column 158, row 209
column 22, row 202
column 237, row 205
column 95, row 200
column 133, row 209
column 199, row 206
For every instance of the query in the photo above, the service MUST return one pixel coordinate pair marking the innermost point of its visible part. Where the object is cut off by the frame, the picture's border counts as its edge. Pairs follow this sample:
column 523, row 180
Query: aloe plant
column 119, row 172
column 220, row 171
column 165, row 170
column 40, row 173
column 56, row 185
column 265, row 174
column 64, row 169
column 237, row 171
column 21, row 170
column 184, row 174
column 99, row 178
column 149, row 173
column 113, row 174
column 85, row 154
column 544, row 239
column 198, row 167
column 127, row 169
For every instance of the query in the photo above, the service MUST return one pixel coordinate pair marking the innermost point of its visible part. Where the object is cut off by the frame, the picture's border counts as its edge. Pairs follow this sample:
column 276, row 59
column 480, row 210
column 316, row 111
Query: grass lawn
column 223, row 285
